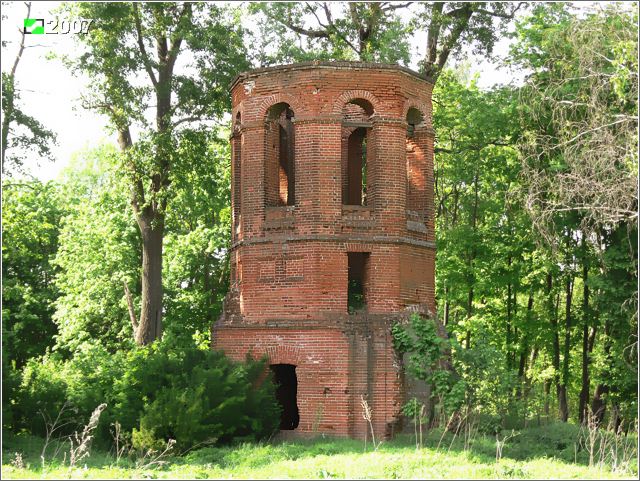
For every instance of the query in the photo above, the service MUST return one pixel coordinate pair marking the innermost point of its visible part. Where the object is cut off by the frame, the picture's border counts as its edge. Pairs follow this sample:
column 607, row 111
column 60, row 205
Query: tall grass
column 552, row 451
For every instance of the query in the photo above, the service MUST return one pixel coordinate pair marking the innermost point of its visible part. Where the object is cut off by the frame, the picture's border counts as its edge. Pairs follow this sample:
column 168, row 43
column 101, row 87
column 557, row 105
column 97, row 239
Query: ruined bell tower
column 333, row 235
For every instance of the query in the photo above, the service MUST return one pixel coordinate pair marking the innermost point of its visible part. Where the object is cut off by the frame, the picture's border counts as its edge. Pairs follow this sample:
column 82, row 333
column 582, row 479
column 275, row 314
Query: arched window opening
column 236, row 167
column 357, row 168
column 280, row 156
column 357, row 152
column 414, row 118
column 416, row 164
column 357, row 111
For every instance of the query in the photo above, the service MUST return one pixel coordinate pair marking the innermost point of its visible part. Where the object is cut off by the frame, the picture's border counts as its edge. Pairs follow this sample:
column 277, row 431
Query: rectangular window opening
column 287, row 166
column 358, row 267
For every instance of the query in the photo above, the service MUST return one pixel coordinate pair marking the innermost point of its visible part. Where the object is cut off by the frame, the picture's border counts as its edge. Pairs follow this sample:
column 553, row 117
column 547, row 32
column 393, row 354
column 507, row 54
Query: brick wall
column 289, row 297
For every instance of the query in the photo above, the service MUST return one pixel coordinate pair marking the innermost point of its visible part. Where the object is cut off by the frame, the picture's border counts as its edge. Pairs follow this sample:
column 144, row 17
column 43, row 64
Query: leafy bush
column 51, row 388
column 481, row 378
column 41, row 395
column 10, row 385
column 194, row 396
column 427, row 350
column 156, row 393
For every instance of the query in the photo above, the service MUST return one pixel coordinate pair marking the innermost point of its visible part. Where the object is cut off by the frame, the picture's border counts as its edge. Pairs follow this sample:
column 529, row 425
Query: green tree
column 482, row 238
column 31, row 214
column 99, row 253
column 452, row 25
column 371, row 31
column 134, row 57
column 366, row 31
column 580, row 114
column 197, row 241
column 581, row 110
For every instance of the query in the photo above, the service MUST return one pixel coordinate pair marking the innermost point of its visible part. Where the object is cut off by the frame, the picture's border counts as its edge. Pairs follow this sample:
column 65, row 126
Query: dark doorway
column 286, row 383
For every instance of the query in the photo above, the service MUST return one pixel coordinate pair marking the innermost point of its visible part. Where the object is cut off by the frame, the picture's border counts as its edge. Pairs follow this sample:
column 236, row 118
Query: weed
column 81, row 442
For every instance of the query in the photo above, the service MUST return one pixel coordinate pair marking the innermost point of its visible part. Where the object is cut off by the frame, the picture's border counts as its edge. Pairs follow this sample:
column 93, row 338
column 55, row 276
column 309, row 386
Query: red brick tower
column 333, row 235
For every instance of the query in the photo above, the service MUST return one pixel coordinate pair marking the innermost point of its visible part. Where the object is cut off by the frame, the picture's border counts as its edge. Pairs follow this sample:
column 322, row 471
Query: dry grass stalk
column 81, row 442
column 154, row 458
column 17, row 461
column 500, row 443
column 120, row 444
column 607, row 447
column 367, row 415
column 51, row 428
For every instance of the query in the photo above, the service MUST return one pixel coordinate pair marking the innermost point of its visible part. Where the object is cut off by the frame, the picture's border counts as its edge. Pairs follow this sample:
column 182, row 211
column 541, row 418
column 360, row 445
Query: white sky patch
column 49, row 92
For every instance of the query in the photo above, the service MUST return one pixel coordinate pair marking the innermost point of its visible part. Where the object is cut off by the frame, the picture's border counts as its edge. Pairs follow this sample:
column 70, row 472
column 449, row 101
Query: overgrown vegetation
column 551, row 451
column 155, row 394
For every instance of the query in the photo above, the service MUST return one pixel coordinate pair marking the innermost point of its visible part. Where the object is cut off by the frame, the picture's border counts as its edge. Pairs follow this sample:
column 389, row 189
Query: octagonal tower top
column 328, row 65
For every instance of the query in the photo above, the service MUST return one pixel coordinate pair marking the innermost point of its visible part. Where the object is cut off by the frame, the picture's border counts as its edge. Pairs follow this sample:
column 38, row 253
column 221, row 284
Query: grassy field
column 549, row 452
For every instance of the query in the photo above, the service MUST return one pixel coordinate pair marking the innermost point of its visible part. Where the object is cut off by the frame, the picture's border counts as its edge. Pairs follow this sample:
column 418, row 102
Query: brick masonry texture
column 297, row 146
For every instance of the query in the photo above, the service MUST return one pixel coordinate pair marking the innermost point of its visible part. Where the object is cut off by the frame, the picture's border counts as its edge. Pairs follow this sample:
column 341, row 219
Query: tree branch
column 143, row 51
column 9, row 102
column 394, row 5
column 300, row 30
column 331, row 27
column 465, row 14
column 193, row 118
column 132, row 312
column 137, row 189
column 176, row 42
column 508, row 16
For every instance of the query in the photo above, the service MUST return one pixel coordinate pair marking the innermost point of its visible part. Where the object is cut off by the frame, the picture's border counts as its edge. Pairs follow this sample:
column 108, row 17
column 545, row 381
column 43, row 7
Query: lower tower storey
column 323, row 373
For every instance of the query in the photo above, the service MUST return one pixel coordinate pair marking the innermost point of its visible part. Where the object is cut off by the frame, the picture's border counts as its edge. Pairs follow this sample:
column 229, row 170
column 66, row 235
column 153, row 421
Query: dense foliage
column 537, row 257
column 155, row 394
column 159, row 73
column 31, row 218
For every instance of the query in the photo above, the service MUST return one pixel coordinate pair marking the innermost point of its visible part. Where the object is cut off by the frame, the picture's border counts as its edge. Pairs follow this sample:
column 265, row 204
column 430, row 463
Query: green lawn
column 549, row 452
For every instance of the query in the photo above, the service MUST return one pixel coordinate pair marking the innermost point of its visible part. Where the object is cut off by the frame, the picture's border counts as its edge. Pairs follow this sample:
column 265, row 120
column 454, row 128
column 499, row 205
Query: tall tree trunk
column 150, row 324
column 454, row 222
column 10, row 89
column 527, row 380
column 562, row 391
column 522, row 365
column 508, row 339
column 151, row 225
column 598, row 403
column 469, row 314
column 552, row 308
column 447, row 306
column 472, row 256
column 547, row 394
column 584, row 392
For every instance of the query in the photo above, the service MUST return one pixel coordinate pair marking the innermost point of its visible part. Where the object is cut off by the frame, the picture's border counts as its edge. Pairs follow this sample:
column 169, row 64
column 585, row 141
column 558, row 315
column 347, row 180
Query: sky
column 51, row 93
